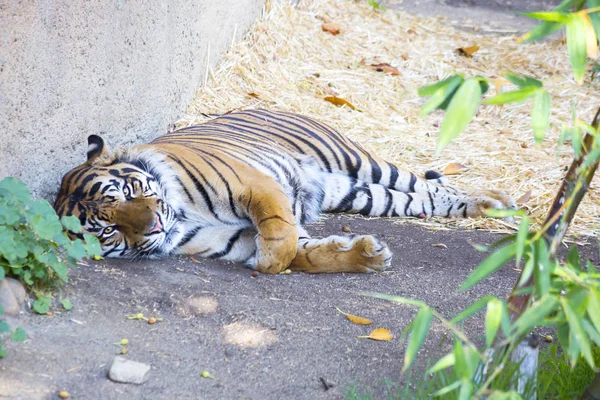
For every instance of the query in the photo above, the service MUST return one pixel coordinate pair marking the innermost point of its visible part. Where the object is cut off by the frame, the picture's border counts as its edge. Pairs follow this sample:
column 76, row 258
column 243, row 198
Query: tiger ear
column 96, row 148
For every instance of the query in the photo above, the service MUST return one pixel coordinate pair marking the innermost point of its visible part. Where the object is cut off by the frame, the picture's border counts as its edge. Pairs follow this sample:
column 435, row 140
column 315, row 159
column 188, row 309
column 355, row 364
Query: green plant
column 564, row 295
column 35, row 246
column 376, row 5
column 556, row 380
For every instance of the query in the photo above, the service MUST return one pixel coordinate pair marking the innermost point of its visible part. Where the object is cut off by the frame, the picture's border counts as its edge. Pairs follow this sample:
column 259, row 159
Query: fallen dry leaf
column 253, row 94
column 498, row 83
column 467, row 51
column 385, row 67
column 505, row 132
column 404, row 56
column 440, row 245
column 454, row 169
column 331, row 27
column 524, row 199
column 356, row 319
column 411, row 31
column 338, row 101
column 379, row 334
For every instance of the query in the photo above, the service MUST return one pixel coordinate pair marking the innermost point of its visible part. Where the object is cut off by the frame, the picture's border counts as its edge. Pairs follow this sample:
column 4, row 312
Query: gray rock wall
column 124, row 69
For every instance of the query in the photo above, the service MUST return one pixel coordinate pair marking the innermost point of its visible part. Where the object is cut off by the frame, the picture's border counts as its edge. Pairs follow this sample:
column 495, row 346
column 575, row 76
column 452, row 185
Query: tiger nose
column 157, row 226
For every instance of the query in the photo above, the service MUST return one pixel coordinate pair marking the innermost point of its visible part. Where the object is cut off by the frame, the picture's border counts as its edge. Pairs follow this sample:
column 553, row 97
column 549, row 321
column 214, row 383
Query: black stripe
column 410, row 199
column 232, row 240
column 188, row 236
column 413, row 181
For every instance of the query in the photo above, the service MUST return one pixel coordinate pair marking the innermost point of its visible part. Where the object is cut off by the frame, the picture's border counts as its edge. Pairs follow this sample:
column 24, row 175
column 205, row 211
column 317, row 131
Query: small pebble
column 548, row 339
column 151, row 320
column 254, row 274
column 64, row 395
column 346, row 229
column 126, row 371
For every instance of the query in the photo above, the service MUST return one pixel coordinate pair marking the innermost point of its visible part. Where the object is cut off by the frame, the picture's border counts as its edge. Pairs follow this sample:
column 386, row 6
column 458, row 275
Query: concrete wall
column 124, row 69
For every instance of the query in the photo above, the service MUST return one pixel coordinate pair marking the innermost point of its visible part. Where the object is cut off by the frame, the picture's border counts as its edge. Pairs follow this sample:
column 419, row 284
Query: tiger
column 242, row 186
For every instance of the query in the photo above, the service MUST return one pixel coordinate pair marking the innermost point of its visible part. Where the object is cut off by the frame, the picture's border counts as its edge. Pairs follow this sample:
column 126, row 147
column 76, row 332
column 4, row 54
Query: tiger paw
column 490, row 199
column 370, row 254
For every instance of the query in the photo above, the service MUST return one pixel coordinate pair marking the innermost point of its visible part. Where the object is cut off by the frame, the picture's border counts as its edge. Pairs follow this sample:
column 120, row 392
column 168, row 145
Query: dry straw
column 287, row 62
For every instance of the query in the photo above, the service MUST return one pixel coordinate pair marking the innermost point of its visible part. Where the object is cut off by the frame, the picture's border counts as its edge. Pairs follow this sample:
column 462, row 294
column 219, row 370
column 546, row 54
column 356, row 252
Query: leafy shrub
column 35, row 246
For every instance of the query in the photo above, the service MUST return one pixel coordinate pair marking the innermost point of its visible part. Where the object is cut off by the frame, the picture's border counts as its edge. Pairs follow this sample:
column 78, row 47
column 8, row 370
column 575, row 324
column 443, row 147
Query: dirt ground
column 263, row 337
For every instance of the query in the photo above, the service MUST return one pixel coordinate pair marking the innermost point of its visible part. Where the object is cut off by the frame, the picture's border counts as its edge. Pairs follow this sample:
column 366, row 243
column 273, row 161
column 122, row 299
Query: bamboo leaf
column 540, row 114
column 593, row 308
column 534, row 314
column 460, row 111
column 493, row 317
column 447, row 389
column 521, row 240
column 542, row 267
column 595, row 17
column 552, row 16
column 430, row 90
column 512, row 96
column 577, row 46
column 443, row 93
column 541, row 31
column 471, row 310
column 490, row 265
column 419, row 331
column 396, row 299
column 591, row 42
column 578, row 332
column 443, row 363
column 523, row 81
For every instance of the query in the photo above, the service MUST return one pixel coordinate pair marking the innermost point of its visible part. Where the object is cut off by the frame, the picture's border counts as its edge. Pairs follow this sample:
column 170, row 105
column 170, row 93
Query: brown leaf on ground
column 524, row 199
column 385, row 67
column 411, row 31
column 379, row 334
column 355, row 319
column 338, row 101
column 253, row 94
column 404, row 56
column 505, row 132
column 331, row 27
column 467, row 51
column 454, row 169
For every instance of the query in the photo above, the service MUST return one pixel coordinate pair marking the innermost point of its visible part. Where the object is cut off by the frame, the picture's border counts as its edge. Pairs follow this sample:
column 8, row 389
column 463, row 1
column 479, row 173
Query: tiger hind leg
column 333, row 254
column 349, row 195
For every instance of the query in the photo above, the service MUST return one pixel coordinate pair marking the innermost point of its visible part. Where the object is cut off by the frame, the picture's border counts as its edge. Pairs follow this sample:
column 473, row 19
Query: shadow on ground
column 214, row 313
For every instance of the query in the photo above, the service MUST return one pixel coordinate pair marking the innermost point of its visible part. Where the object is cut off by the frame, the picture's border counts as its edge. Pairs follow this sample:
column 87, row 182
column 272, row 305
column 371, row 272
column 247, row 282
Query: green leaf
column 460, row 112
column 66, row 303
column 521, row 239
column 447, row 389
column 466, row 390
column 593, row 333
column 14, row 188
column 540, row 114
column 461, row 366
column 77, row 249
column 429, row 90
column 18, row 335
column 2, row 274
column 534, row 315
column 497, row 213
column 593, row 308
column 420, row 327
column 493, row 317
column 576, row 141
column 490, row 265
column 397, row 299
column 4, row 326
column 595, row 17
column 2, row 351
column 71, row 223
column 471, row 310
column 577, row 330
column 92, row 245
column 542, row 267
column 573, row 258
column 576, row 46
column 443, row 92
column 443, row 363
column 590, row 159
column 541, row 31
column 549, row 16
column 512, row 96
column 42, row 305
column 522, row 80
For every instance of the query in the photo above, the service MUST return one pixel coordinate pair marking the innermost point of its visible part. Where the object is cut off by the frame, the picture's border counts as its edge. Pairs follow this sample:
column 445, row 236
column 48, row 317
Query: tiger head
column 119, row 198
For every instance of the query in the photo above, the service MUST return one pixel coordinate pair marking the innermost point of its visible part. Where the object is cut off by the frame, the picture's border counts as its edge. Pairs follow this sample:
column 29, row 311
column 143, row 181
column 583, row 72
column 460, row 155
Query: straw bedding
column 287, row 62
